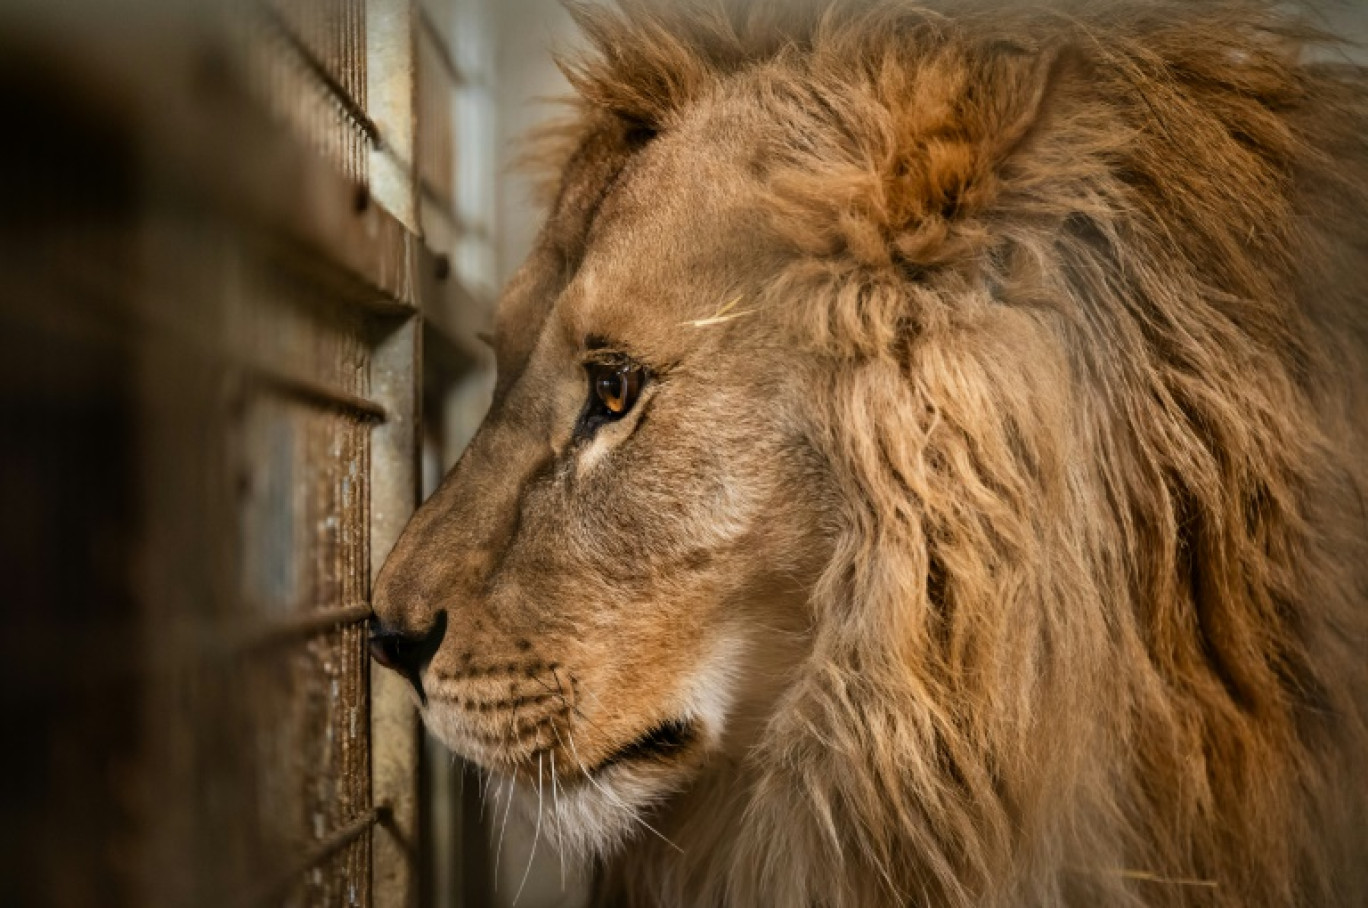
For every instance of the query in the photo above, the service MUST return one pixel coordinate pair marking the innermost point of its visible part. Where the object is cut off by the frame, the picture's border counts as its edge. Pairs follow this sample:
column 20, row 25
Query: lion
column 926, row 464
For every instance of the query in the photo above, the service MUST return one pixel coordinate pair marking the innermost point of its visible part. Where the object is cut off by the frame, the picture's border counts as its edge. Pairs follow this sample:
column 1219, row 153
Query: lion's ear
column 927, row 132
column 1008, row 88
column 954, row 123
column 649, row 59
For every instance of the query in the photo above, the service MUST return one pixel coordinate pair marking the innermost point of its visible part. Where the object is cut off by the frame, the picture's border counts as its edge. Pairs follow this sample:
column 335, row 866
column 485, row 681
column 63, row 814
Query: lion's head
column 923, row 464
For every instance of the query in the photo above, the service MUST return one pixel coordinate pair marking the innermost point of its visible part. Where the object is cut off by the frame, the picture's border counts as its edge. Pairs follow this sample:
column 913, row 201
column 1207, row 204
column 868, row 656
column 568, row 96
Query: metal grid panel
column 213, row 305
column 308, row 718
column 307, row 62
column 258, row 426
column 332, row 33
column 211, row 361
column 303, row 482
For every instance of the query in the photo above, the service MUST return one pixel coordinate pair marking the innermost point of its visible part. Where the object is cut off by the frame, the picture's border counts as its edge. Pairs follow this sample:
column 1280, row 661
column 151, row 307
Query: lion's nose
column 407, row 652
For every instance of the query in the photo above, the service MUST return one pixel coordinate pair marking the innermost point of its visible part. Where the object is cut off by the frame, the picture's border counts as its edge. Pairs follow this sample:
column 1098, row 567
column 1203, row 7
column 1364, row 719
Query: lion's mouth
column 662, row 743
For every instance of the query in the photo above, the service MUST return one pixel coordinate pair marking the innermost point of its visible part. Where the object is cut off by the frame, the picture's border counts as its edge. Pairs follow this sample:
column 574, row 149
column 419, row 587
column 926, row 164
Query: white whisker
column 498, row 852
column 631, row 813
column 486, row 785
column 725, row 314
column 536, row 835
column 508, row 806
column 560, row 833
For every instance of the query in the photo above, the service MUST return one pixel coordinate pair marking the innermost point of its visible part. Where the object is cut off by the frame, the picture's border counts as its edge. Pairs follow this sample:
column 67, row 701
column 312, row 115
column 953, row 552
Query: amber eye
column 617, row 387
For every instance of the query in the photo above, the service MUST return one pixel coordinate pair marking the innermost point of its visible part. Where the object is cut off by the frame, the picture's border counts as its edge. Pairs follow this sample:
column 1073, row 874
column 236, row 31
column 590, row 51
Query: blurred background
column 246, row 247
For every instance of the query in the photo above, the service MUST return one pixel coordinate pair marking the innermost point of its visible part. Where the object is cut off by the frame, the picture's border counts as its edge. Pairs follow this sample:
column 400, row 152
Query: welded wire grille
column 196, row 312
column 307, row 62
column 258, row 415
column 209, row 376
column 308, row 720
column 266, row 730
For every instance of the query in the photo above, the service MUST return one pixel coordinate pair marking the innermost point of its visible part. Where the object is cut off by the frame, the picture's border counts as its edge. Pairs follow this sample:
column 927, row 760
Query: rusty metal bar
column 213, row 146
column 275, row 891
column 207, row 641
column 340, row 838
column 247, row 471
column 303, row 625
column 321, row 394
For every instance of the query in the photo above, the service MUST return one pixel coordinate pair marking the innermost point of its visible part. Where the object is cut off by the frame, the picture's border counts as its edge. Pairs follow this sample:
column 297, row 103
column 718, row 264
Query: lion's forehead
column 656, row 277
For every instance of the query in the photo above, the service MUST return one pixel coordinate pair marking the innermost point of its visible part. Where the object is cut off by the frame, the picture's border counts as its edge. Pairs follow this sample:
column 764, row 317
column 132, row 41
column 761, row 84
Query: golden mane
column 1091, row 286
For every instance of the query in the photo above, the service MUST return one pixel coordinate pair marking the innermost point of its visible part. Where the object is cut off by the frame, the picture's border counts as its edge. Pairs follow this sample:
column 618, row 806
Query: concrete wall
column 528, row 81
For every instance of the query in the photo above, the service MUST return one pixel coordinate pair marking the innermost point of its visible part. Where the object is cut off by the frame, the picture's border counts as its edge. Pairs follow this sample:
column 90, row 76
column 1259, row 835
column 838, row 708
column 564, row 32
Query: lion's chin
column 588, row 815
column 590, row 804
column 620, row 802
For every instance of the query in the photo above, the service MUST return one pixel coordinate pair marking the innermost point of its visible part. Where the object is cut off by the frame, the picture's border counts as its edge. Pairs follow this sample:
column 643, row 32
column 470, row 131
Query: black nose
column 405, row 652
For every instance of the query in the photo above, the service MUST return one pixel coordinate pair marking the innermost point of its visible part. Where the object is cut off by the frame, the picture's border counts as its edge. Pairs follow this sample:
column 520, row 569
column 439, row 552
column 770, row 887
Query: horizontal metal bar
column 275, row 891
column 339, row 838
column 215, row 640
column 321, row 394
column 305, row 624
column 116, row 649
column 322, row 73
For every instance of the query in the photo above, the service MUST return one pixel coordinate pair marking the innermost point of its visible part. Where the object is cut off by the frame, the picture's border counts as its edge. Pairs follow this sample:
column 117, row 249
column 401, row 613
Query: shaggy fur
column 1023, row 449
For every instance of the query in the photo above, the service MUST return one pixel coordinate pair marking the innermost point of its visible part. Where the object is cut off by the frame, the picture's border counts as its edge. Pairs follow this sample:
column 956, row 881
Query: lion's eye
column 616, row 387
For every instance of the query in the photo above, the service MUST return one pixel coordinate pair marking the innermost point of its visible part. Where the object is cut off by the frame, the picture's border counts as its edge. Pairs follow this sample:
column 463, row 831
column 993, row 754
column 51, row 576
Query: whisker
column 484, row 799
column 631, row 813
column 560, row 831
column 508, row 808
column 716, row 319
column 575, row 709
column 571, row 708
column 724, row 314
column 536, row 835
column 508, row 805
column 591, row 693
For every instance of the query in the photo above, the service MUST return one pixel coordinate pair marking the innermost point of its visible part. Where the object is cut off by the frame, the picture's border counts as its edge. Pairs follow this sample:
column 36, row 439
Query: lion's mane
column 1089, row 286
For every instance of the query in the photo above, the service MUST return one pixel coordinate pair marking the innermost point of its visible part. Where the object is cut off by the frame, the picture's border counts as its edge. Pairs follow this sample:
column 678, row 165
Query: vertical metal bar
column 390, row 93
column 395, row 371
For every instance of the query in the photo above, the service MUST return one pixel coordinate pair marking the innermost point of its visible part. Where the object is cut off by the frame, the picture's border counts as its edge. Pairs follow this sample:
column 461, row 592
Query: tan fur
column 995, row 511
